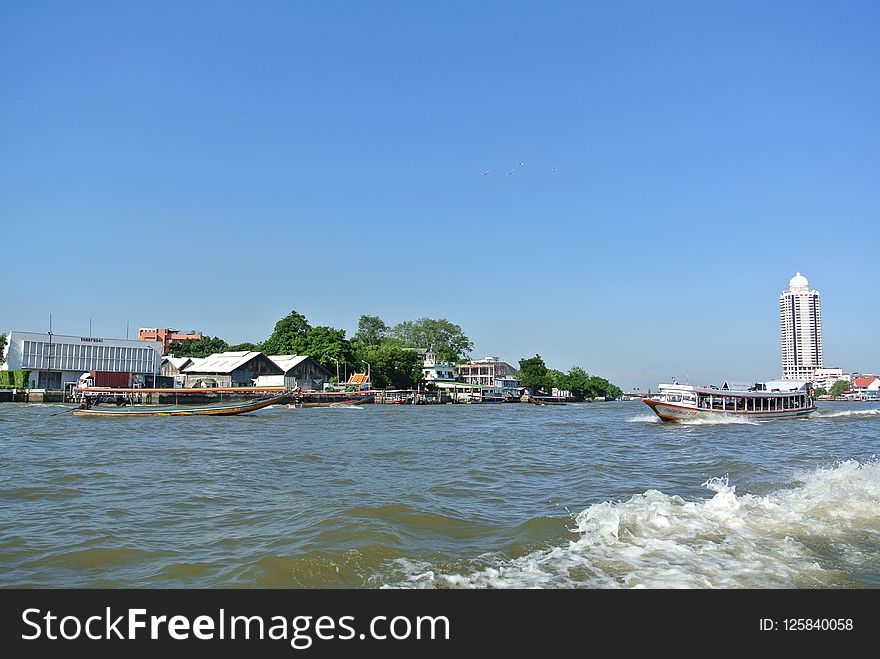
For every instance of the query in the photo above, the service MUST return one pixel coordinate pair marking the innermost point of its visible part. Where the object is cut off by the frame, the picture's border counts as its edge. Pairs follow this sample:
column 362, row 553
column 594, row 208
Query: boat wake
column 810, row 534
column 720, row 420
column 645, row 418
column 714, row 421
column 825, row 414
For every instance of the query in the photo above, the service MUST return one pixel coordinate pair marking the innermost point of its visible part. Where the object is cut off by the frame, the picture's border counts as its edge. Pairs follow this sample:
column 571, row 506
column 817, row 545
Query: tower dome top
column 798, row 283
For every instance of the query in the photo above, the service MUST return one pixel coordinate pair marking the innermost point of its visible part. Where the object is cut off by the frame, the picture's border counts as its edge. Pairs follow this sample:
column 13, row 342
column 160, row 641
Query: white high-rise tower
column 800, row 321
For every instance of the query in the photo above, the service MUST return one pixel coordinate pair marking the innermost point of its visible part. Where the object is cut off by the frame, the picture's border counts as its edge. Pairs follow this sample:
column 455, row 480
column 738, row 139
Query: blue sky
column 213, row 165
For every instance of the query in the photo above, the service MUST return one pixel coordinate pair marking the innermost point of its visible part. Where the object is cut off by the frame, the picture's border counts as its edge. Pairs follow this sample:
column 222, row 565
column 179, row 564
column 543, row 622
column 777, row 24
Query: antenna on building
column 90, row 328
column 126, row 329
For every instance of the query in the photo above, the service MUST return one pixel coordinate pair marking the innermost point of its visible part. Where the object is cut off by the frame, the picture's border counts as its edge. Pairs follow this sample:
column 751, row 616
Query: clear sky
column 213, row 165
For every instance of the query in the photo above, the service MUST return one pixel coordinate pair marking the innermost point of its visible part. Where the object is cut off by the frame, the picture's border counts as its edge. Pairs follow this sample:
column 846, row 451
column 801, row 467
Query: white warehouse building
column 56, row 360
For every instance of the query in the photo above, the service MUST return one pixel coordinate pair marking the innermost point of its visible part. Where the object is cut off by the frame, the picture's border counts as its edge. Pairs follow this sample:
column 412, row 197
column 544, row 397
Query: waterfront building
column 511, row 387
column 172, row 367
column 485, row 371
column 460, row 392
column 433, row 370
column 56, row 361
column 166, row 336
column 824, row 378
column 800, row 323
column 298, row 371
column 865, row 384
column 229, row 369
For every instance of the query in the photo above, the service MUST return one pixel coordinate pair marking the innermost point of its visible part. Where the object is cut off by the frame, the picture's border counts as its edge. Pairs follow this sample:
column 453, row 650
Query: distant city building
column 57, row 360
column 166, row 336
column 800, row 323
column 433, row 370
column 485, row 371
column 826, row 377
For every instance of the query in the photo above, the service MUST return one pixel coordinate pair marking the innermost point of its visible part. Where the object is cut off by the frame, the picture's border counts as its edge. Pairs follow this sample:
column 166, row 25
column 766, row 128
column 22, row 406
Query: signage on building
column 91, row 339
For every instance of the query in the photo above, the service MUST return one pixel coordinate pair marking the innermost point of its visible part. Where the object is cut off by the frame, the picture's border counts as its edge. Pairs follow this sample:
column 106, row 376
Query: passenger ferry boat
column 762, row 400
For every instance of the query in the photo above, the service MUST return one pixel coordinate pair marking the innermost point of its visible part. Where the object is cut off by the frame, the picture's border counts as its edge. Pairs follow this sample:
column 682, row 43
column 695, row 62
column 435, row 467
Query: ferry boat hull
column 671, row 412
column 775, row 399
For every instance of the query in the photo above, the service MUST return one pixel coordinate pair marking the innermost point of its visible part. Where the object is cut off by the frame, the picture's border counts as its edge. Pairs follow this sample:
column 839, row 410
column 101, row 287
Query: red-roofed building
column 866, row 383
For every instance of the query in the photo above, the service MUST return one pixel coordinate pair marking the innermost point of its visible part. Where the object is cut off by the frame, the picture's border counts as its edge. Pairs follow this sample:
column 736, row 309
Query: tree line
column 388, row 352
column 535, row 375
column 391, row 353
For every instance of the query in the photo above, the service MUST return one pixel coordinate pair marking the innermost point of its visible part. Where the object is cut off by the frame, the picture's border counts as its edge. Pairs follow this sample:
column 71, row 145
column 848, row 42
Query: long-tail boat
column 215, row 409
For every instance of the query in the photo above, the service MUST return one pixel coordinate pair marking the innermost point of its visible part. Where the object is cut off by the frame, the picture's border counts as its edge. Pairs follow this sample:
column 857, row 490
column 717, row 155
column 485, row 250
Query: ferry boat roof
column 769, row 388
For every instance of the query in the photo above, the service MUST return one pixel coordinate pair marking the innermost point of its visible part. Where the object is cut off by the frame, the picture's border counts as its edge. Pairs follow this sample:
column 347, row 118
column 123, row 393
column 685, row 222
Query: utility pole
column 49, row 374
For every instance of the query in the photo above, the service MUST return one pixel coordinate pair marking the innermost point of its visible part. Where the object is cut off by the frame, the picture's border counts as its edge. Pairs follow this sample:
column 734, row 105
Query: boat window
column 689, row 398
column 673, row 398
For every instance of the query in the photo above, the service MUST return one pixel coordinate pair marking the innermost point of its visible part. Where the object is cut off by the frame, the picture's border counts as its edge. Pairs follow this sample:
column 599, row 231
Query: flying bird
column 511, row 172
column 487, row 172
column 553, row 170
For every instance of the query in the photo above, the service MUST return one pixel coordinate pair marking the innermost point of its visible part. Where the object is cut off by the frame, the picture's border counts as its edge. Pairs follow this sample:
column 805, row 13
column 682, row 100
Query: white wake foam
column 873, row 411
column 645, row 418
column 716, row 420
column 721, row 420
column 655, row 540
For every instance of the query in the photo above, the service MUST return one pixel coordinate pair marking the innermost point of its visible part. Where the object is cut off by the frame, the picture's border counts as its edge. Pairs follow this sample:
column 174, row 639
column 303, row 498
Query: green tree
column 290, row 336
column 839, row 388
column 820, row 391
column 534, row 375
column 294, row 336
column 203, row 347
column 372, row 330
column 579, row 383
column 602, row 387
column 391, row 365
column 326, row 344
column 245, row 347
column 558, row 379
column 2, row 348
column 447, row 339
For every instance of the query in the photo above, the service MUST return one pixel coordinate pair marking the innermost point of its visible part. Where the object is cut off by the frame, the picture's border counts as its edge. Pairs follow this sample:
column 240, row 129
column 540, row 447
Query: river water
column 582, row 495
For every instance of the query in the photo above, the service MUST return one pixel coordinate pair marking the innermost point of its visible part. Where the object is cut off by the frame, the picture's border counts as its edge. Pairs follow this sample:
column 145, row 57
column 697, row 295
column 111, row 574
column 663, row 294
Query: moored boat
column 763, row 400
column 540, row 399
column 331, row 399
column 216, row 409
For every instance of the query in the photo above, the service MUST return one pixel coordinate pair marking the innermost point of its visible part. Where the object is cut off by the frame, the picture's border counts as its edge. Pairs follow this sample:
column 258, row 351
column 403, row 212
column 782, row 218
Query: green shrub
column 22, row 377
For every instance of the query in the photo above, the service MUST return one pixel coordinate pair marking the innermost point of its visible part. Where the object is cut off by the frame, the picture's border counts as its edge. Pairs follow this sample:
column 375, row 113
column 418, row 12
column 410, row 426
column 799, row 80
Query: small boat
column 327, row 399
column 217, row 409
column 546, row 400
column 774, row 399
